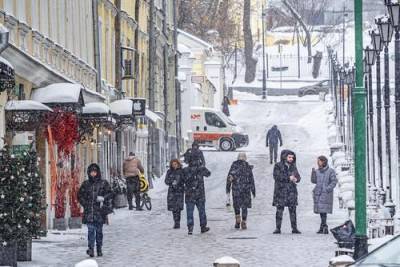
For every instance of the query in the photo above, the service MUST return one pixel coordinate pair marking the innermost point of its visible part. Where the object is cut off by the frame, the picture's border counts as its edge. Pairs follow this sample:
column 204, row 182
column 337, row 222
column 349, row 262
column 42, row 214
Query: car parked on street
column 315, row 89
column 387, row 255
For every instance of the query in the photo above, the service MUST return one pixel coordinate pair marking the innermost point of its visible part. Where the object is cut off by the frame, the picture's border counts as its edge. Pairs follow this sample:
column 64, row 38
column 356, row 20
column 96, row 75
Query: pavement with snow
column 147, row 238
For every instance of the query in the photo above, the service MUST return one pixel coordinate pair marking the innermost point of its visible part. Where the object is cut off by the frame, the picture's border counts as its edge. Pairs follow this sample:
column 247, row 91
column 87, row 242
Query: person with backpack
column 325, row 182
column 273, row 137
column 241, row 181
column 175, row 179
column 95, row 196
column 132, row 168
column 194, row 156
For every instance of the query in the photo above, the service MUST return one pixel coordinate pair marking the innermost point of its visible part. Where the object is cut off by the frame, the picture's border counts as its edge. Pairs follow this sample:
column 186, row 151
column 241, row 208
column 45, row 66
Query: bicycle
column 145, row 199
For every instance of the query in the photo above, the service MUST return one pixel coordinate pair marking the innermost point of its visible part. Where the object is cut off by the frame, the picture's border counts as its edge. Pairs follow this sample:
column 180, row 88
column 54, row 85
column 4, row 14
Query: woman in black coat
column 175, row 180
column 95, row 197
column 241, row 180
column 286, row 177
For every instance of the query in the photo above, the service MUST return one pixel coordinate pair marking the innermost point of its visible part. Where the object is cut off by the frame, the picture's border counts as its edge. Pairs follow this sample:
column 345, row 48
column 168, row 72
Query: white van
column 213, row 128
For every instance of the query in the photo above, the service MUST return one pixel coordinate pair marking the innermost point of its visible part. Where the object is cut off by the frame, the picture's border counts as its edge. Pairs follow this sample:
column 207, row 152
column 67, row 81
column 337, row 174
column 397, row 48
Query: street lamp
column 342, row 76
column 394, row 11
column 350, row 109
column 264, row 91
column 378, row 47
column 370, row 59
column 386, row 31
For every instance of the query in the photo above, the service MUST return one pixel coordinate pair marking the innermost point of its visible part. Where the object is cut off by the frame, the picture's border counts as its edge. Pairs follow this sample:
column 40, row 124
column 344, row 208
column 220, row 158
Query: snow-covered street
column 147, row 239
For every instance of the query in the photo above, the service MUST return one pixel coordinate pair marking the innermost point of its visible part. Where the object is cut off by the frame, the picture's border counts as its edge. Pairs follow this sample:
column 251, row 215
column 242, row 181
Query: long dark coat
column 325, row 181
column 194, row 157
column 285, row 191
column 175, row 179
column 242, row 185
column 273, row 137
column 194, row 184
column 93, row 211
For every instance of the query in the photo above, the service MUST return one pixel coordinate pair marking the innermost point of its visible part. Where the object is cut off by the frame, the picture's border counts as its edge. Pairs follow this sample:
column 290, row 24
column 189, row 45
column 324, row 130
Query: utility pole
column 344, row 33
column 361, row 240
column 166, row 70
column 177, row 84
column 152, row 55
column 264, row 91
column 118, row 77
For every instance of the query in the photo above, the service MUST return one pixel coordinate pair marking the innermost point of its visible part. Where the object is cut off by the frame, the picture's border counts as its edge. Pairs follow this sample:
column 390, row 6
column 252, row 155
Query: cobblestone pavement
column 147, row 238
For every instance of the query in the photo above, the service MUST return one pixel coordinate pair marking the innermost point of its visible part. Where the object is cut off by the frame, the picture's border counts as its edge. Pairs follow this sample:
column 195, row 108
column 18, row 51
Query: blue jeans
column 95, row 234
column 201, row 207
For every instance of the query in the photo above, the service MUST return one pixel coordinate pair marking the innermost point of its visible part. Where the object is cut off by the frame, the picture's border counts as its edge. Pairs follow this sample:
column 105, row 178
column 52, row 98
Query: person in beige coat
column 132, row 169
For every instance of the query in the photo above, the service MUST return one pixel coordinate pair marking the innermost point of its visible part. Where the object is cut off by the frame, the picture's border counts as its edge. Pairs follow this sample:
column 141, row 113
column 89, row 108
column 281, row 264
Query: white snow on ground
column 147, row 238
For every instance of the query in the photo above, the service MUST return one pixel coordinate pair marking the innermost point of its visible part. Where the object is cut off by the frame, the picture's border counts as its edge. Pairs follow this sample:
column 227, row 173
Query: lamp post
column 264, row 91
column 378, row 47
column 386, row 31
column 342, row 133
column 361, row 238
column 335, row 88
column 366, row 70
column 350, row 110
column 370, row 56
column 394, row 12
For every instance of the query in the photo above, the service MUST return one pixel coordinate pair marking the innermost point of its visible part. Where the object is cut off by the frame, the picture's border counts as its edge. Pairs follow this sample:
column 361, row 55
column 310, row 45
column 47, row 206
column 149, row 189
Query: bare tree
column 250, row 61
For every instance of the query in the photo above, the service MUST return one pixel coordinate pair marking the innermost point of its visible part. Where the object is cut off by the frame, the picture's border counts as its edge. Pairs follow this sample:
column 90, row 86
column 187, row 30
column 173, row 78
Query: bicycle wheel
column 147, row 202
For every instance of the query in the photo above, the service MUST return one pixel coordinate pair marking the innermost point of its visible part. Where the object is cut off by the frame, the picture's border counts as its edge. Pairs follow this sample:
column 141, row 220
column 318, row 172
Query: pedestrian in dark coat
column 286, row 178
column 195, row 196
column 194, row 156
column 132, row 168
column 241, row 180
column 95, row 196
column 175, row 179
column 273, row 137
column 225, row 106
column 325, row 182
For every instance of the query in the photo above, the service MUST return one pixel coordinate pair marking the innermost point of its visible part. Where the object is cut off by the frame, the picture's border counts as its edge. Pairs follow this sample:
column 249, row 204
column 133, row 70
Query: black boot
column 190, row 230
column 321, row 229
column 295, row 231
column 90, row 252
column 99, row 252
column 325, row 230
column 177, row 225
column 277, row 231
column 205, row 229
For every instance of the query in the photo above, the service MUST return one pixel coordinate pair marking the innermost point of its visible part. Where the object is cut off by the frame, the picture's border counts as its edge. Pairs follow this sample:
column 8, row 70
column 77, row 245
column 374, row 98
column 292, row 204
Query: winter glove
column 100, row 199
column 254, row 195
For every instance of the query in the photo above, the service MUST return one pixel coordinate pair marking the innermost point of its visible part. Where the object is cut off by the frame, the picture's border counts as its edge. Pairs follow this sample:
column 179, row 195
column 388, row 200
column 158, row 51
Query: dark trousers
column 244, row 212
column 279, row 216
column 323, row 218
column 95, row 234
column 177, row 216
column 201, row 207
column 133, row 188
column 273, row 152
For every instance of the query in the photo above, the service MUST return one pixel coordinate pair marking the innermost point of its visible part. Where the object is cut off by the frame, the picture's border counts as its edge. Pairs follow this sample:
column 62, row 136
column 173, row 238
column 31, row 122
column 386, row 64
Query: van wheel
column 226, row 145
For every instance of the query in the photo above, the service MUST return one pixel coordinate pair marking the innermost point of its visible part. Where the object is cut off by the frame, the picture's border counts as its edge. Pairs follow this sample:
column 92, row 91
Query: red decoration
column 64, row 126
column 62, row 185
column 73, row 191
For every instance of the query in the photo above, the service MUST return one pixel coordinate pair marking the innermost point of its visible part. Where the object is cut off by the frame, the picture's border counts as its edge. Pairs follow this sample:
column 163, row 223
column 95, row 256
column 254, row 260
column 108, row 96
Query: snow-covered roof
column 195, row 39
column 26, row 105
column 122, row 107
column 58, row 93
column 152, row 116
column 96, row 108
column 5, row 61
column 183, row 49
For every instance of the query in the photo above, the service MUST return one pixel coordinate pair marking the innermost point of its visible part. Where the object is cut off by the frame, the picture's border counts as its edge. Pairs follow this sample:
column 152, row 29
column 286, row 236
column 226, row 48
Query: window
column 9, row 7
column 21, row 11
column 212, row 119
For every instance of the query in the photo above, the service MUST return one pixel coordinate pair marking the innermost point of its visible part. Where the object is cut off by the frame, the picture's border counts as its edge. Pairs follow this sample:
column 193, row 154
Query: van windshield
column 226, row 118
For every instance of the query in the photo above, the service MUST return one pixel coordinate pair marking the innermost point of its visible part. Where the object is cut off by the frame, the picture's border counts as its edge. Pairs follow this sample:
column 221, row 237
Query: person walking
column 325, row 182
column 225, row 106
column 132, row 168
column 175, row 179
column 194, row 156
column 286, row 178
column 95, row 197
column 273, row 137
column 241, row 181
column 195, row 195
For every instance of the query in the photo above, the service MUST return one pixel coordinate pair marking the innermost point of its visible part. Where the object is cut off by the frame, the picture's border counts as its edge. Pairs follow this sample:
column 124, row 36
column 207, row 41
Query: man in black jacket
column 195, row 196
column 95, row 197
column 286, row 178
column 194, row 156
column 273, row 137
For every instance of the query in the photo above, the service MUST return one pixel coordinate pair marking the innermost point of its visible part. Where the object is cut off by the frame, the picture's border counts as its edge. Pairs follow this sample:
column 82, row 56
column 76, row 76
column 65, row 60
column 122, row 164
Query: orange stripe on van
column 204, row 136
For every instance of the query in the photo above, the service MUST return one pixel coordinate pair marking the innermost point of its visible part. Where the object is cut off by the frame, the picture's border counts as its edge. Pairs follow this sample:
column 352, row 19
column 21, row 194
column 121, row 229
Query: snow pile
column 5, row 61
column 87, row 263
column 26, row 105
column 123, row 107
column 226, row 260
column 96, row 108
column 58, row 93
column 342, row 260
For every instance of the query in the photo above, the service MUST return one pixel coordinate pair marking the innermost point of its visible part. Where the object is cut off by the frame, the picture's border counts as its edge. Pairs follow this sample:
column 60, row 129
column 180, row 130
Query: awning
column 25, row 115
column 60, row 94
column 123, row 108
column 152, row 116
column 96, row 108
column 96, row 114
